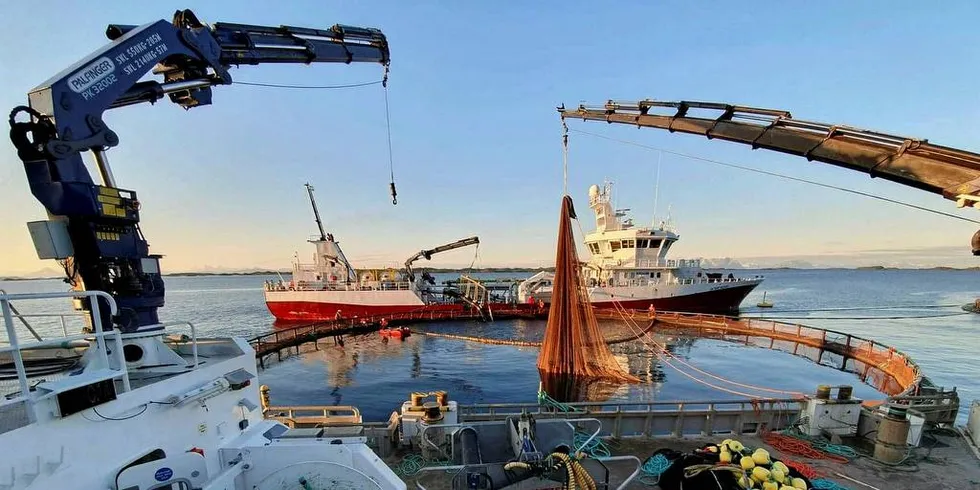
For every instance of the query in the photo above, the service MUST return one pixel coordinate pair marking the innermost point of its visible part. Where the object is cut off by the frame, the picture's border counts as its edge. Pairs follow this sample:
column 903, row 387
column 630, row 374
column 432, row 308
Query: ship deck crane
column 427, row 254
column 94, row 229
column 333, row 250
column 950, row 172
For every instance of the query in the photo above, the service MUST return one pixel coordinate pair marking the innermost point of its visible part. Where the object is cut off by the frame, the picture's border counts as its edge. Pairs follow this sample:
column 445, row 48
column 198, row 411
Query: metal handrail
column 60, row 316
column 193, row 336
column 99, row 334
column 618, row 406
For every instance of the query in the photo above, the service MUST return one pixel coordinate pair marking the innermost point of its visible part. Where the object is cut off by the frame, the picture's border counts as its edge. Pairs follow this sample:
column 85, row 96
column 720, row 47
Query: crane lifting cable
column 914, row 162
column 391, row 163
column 573, row 344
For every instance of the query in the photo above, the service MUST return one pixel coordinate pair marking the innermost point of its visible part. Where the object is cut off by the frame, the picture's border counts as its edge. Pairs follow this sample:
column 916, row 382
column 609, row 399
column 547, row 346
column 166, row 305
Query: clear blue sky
column 476, row 138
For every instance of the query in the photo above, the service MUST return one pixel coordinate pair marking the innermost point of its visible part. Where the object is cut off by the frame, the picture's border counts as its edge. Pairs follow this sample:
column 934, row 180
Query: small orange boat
column 395, row 332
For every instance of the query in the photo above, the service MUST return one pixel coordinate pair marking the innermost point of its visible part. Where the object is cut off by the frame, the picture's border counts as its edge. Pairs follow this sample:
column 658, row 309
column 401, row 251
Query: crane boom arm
column 427, row 254
column 101, row 222
column 953, row 173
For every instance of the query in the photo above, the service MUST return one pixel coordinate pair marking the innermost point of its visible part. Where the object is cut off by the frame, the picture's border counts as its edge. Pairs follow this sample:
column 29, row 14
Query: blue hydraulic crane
column 94, row 228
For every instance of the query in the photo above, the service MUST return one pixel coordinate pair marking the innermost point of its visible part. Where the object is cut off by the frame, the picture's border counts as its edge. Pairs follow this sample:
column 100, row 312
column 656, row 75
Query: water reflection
column 569, row 389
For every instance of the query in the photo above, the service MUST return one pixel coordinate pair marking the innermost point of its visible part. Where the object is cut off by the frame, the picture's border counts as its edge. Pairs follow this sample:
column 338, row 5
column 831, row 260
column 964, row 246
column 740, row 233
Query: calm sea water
column 377, row 376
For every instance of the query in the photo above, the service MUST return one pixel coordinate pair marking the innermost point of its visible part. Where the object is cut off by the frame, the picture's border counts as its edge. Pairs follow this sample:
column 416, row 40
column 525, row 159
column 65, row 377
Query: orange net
column 572, row 342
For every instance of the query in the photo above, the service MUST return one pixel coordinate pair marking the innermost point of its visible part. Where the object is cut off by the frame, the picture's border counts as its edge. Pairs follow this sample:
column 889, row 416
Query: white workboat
column 628, row 266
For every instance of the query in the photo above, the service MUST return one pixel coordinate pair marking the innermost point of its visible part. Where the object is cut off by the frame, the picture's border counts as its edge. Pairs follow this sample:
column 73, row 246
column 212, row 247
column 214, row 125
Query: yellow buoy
column 725, row 456
column 770, row 486
column 799, row 483
column 712, row 449
column 760, row 456
column 777, row 474
column 778, row 465
column 760, row 474
column 747, row 463
column 736, row 446
column 784, row 487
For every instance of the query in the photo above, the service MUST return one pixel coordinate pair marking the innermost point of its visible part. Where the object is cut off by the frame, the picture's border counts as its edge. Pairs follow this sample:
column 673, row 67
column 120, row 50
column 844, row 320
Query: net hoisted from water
column 573, row 344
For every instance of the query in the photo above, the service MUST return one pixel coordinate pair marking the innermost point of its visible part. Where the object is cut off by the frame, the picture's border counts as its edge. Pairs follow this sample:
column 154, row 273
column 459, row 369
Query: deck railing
column 657, row 418
column 15, row 348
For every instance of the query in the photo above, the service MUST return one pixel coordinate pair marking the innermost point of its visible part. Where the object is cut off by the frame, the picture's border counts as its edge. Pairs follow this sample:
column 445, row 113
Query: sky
column 476, row 139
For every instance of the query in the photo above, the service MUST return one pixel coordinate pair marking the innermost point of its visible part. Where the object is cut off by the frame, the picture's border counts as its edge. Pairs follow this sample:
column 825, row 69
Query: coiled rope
column 800, row 447
column 822, row 445
column 653, row 467
column 594, row 448
column 414, row 463
column 802, row 468
column 822, row 484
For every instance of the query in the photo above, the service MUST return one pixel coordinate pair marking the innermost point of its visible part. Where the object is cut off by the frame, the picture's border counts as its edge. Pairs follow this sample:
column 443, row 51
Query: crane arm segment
column 953, row 173
column 427, row 254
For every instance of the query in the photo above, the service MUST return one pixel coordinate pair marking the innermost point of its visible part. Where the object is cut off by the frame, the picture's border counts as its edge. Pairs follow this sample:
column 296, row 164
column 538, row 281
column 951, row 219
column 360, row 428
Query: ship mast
column 316, row 213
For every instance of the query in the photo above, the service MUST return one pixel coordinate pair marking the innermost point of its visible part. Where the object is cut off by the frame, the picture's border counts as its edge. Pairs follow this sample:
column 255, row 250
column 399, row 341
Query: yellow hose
column 577, row 475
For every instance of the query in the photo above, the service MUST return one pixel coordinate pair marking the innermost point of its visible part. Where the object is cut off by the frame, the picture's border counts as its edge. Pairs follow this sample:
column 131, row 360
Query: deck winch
column 428, row 425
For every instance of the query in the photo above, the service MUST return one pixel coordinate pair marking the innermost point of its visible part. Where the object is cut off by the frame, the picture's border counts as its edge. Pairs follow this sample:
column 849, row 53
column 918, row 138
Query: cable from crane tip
column 391, row 162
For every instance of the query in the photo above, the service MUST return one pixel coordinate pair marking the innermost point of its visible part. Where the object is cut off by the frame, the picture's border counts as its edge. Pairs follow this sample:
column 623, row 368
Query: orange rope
column 802, row 468
column 799, row 447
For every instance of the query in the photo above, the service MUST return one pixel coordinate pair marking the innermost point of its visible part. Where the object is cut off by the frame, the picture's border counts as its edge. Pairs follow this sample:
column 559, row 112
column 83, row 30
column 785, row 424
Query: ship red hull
column 292, row 311
column 299, row 311
column 719, row 301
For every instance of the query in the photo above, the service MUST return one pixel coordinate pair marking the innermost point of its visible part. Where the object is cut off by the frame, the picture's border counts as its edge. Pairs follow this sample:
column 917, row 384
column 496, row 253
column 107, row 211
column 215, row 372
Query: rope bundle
column 792, row 445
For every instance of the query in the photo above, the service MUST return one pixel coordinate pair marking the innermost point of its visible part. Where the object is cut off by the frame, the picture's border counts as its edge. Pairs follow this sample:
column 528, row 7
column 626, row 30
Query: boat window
column 655, row 243
column 628, row 244
column 614, row 246
column 642, row 243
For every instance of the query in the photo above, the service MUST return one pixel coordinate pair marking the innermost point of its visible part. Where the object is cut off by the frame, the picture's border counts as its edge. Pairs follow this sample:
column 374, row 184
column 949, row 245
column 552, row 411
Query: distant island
column 940, row 268
column 512, row 270
column 429, row 269
column 200, row 274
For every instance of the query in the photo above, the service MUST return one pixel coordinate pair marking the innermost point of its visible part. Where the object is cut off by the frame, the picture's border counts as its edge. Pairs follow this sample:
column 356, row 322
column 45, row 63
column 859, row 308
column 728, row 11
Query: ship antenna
column 656, row 192
column 316, row 213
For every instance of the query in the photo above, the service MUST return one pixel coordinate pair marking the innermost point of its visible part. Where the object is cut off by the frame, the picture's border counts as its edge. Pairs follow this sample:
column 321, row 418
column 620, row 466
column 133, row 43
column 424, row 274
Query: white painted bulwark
column 191, row 425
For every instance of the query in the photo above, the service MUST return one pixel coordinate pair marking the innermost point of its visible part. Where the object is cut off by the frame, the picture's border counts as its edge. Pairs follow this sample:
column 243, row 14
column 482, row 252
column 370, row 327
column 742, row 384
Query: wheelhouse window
column 642, row 243
column 628, row 244
column 614, row 246
column 655, row 243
